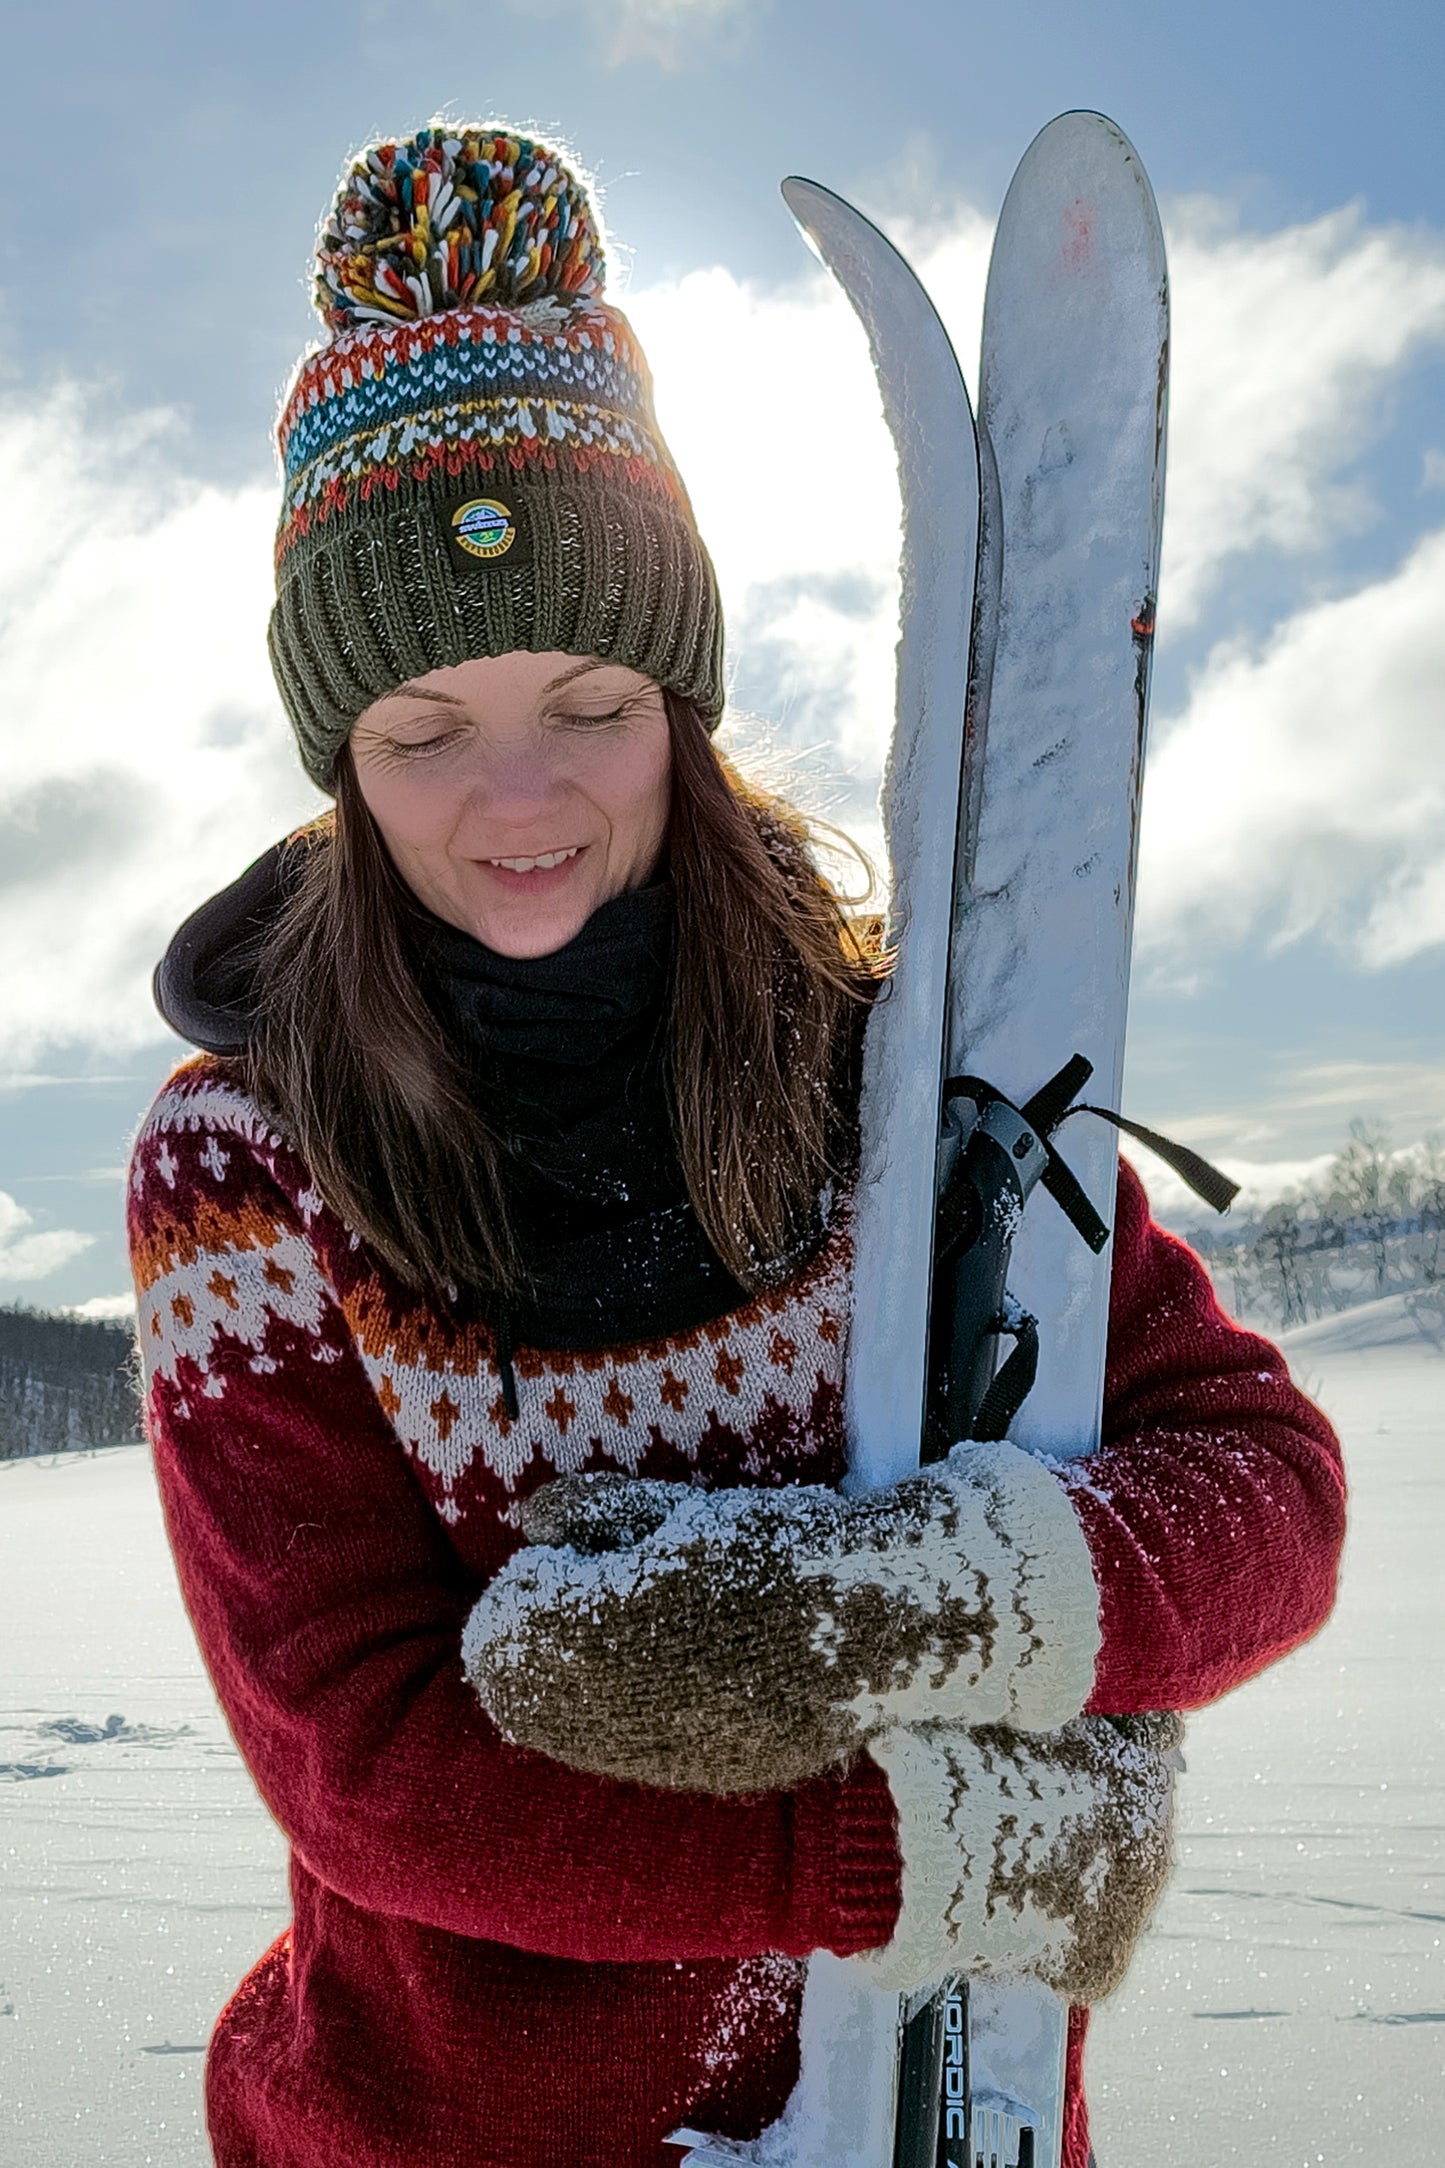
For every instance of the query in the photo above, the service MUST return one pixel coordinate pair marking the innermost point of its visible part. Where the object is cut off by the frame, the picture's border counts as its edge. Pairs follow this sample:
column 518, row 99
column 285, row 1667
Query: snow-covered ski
column 1012, row 899
column 1072, row 398
column 1073, row 390
column 843, row 2113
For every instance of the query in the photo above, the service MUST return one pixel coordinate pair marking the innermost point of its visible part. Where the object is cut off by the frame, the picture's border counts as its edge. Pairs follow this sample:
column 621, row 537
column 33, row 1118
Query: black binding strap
column 1052, row 1101
column 1013, row 1380
column 1044, row 1112
column 1207, row 1181
column 995, row 1163
column 1053, row 1104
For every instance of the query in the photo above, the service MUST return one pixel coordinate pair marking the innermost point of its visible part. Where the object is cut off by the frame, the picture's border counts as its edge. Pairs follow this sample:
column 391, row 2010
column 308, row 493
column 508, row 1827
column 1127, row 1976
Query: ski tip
column 1082, row 181
column 829, row 223
column 1080, row 126
column 1078, row 118
column 803, row 198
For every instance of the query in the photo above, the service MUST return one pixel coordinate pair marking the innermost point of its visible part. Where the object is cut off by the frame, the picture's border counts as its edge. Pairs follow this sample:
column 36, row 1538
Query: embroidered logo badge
column 483, row 528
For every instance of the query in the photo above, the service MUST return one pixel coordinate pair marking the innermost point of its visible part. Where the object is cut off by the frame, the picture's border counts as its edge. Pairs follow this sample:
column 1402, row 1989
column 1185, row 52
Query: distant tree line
column 1372, row 1225
column 65, row 1383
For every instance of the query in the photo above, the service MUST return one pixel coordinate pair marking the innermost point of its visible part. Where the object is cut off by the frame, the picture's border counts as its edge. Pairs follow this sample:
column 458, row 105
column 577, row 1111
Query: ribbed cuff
column 373, row 596
column 847, row 1868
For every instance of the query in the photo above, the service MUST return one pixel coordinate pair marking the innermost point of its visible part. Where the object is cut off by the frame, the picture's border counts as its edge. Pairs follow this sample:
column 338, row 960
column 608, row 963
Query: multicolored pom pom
column 455, row 217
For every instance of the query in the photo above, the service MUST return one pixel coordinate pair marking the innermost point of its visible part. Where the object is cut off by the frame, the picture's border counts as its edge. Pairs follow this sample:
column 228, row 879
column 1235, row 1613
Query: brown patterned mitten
column 1042, row 1855
column 744, row 1640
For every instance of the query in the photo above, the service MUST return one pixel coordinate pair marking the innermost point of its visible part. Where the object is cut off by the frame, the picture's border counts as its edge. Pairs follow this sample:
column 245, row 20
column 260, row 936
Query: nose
column 511, row 782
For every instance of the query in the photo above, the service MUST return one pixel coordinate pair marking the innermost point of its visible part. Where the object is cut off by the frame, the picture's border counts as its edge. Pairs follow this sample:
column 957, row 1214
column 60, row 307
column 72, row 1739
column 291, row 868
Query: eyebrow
column 414, row 689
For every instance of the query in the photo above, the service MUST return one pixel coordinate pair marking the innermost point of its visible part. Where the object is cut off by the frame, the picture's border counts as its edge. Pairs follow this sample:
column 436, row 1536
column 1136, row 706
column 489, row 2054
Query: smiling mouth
column 542, row 863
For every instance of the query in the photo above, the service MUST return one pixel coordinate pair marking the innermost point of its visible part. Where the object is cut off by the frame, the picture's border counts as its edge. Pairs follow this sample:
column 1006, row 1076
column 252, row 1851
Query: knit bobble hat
column 470, row 459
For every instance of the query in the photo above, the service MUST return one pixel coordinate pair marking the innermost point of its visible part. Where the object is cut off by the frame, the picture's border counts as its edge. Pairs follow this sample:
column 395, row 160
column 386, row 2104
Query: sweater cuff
column 847, row 1867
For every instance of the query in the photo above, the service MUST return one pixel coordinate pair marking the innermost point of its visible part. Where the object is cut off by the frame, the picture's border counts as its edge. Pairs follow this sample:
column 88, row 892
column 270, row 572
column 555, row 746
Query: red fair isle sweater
column 494, row 1961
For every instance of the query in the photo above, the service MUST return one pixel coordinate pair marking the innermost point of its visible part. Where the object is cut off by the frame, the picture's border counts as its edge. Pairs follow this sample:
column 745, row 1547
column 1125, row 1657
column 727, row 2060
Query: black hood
column 567, row 1055
column 570, row 1008
column 203, row 983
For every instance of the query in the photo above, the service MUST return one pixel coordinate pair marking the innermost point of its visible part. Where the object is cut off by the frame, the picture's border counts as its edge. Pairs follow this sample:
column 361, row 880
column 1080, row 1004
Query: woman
column 520, row 1151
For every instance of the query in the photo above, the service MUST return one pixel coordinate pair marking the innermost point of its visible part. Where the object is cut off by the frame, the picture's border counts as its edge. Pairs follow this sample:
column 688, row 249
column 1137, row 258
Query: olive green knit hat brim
column 382, row 595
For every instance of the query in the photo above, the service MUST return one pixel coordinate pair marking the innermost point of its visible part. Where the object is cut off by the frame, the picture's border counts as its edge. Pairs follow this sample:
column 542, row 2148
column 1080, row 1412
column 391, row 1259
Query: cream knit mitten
column 745, row 1640
column 1034, row 1855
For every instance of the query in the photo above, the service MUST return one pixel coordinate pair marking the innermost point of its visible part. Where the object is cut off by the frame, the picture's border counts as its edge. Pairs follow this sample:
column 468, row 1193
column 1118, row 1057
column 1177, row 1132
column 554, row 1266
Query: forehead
column 518, row 677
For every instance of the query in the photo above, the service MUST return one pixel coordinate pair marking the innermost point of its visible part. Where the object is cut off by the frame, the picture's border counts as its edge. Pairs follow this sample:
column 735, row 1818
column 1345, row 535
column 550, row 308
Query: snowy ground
column 1288, row 2007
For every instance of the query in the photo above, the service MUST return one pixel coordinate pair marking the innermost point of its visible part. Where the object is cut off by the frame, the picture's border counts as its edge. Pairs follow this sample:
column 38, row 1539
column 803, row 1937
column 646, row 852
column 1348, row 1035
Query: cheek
column 407, row 813
column 635, row 790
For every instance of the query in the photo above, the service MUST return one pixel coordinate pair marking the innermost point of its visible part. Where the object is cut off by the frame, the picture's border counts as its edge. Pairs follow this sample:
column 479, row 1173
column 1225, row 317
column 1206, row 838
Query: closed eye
column 645, row 701
column 404, row 748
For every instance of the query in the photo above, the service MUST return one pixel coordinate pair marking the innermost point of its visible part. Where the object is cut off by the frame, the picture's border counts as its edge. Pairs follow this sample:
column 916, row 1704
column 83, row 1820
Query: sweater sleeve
column 328, row 1604
column 1214, row 1508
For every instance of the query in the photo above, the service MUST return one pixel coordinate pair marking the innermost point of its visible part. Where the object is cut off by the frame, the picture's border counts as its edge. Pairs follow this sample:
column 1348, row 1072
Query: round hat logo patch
column 483, row 527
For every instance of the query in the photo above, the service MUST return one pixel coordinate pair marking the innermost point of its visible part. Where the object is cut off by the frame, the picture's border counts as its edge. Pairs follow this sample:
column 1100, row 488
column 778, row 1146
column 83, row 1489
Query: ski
column 844, row 2111
column 1073, row 400
column 1030, row 564
column 1072, row 403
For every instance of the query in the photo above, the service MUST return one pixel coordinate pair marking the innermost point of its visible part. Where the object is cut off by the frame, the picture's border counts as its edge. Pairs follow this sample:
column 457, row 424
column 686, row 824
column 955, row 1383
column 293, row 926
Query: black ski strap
column 1207, row 1181
column 1050, row 1107
column 1007, row 1151
column 1013, row 1380
column 1052, row 1101
column 1042, row 1114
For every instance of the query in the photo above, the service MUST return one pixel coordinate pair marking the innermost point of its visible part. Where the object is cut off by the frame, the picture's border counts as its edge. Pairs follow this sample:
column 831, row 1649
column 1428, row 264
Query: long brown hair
column 769, row 975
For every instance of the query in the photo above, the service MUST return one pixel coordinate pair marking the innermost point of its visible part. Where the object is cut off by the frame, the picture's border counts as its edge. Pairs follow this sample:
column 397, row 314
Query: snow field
column 141, row 1878
column 1288, row 2005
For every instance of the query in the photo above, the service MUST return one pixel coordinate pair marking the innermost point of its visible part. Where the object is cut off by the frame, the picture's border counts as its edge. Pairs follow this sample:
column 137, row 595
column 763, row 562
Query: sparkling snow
column 1288, row 2005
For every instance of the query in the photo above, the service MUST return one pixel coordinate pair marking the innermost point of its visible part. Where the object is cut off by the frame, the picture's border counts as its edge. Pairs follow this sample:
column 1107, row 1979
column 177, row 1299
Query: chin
column 542, row 937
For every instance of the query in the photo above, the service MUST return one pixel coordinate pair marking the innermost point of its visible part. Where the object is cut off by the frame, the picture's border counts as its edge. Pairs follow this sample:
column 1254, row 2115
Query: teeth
column 546, row 860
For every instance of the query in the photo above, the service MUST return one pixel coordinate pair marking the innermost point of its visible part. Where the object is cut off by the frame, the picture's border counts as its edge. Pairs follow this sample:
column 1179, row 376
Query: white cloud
column 1302, row 787
column 659, row 30
column 105, row 1307
column 1316, row 1101
column 1283, row 346
column 143, row 754
column 769, row 405
column 1262, row 1182
column 26, row 1256
column 1292, row 1128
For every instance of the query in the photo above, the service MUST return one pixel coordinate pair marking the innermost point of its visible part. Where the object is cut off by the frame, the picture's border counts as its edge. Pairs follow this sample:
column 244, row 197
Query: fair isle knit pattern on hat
column 471, row 461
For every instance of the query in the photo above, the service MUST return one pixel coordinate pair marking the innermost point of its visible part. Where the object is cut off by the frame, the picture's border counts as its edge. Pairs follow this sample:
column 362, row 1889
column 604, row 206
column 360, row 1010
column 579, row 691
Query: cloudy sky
column 166, row 165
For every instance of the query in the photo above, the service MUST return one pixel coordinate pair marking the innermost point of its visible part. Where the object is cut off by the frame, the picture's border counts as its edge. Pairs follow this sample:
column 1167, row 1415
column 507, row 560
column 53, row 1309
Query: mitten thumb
column 596, row 1513
column 1040, row 1853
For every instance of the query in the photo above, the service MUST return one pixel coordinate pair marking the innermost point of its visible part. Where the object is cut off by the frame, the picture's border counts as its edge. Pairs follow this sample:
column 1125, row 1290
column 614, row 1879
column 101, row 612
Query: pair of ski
column 1029, row 570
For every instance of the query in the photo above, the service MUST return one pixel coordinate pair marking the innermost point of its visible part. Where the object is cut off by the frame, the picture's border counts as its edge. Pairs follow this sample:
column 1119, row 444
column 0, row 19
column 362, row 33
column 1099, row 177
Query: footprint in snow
column 75, row 1731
